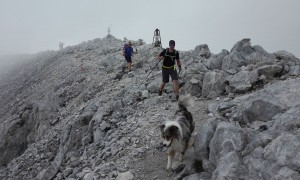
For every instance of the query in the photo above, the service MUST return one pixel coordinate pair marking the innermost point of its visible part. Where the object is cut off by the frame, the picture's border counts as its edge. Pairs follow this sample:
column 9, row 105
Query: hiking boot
column 160, row 93
column 177, row 97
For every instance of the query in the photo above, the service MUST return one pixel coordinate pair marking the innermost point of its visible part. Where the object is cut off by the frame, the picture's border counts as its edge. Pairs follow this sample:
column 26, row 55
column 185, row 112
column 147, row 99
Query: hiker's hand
column 179, row 67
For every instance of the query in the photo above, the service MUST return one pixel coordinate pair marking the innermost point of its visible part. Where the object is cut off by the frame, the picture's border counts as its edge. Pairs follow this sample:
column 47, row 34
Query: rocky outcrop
column 202, row 51
column 268, row 118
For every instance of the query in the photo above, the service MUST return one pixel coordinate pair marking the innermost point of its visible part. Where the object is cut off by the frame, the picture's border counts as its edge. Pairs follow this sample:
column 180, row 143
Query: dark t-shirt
column 169, row 57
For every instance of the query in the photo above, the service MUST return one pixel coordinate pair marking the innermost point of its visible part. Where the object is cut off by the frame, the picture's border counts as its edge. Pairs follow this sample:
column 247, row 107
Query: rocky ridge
column 73, row 114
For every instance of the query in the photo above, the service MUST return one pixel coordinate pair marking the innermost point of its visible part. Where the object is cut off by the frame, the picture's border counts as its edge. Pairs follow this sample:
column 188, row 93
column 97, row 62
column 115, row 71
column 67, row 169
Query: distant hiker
column 128, row 53
column 169, row 56
column 61, row 45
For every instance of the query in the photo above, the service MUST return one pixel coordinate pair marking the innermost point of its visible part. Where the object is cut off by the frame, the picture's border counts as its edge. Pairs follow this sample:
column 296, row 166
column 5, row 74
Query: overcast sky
column 30, row 26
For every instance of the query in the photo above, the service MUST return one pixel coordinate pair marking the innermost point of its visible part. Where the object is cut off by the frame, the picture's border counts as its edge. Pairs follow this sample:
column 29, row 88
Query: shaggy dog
column 176, row 133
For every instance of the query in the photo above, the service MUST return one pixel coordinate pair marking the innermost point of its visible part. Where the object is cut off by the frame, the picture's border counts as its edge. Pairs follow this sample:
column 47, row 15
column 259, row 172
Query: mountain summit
column 74, row 114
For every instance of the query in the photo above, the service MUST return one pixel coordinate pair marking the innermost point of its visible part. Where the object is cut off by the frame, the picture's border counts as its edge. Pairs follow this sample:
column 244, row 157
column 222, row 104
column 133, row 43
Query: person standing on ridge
column 169, row 56
column 128, row 53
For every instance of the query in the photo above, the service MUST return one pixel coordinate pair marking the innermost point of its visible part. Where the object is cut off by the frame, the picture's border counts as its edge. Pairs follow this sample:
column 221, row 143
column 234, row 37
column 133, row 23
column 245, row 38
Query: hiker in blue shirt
column 128, row 53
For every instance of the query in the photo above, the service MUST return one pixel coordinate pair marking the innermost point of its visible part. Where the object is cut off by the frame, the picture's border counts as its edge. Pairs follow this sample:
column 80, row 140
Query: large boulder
column 202, row 51
column 193, row 85
column 270, row 71
column 243, row 46
column 213, row 84
column 229, row 167
column 263, row 105
column 227, row 138
column 281, row 156
column 215, row 62
column 203, row 138
column 242, row 81
column 153, row 87
column 287, row 121
column 13, row 141
column 287, row 56
column 243, row 54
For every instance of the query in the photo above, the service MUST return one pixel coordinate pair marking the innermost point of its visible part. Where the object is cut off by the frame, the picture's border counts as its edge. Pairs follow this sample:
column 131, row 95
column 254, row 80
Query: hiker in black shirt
column 169, row 56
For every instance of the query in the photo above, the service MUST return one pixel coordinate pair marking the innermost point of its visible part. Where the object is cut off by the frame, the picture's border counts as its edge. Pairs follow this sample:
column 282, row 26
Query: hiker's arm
column 178, row 61
column 178, row 64
column 161, row 55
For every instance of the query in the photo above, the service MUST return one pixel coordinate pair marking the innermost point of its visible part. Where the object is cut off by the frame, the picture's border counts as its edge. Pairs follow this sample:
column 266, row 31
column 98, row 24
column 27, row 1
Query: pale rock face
column 74, row 114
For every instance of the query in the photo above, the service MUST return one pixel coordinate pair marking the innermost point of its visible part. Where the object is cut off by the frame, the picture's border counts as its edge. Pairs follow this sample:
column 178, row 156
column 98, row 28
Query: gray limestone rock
column 202, row 51
column 213, row 84
column 72, row 114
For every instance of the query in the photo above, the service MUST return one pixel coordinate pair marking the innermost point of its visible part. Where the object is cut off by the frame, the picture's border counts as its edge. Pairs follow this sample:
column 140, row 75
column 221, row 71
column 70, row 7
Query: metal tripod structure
column 157, row 38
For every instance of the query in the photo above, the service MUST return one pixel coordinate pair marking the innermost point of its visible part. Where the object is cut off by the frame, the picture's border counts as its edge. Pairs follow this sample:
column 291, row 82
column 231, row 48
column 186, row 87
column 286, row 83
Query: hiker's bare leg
column 162, row 85
column 176, row 87
column 129, row 66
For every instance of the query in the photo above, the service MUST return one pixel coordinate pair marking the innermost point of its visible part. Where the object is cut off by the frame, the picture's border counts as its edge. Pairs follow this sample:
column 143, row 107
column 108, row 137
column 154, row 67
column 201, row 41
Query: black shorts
column 128, row 59
column 167, row 72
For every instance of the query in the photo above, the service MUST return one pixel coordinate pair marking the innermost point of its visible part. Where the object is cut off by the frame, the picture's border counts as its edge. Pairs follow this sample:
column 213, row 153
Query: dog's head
column 169, row 131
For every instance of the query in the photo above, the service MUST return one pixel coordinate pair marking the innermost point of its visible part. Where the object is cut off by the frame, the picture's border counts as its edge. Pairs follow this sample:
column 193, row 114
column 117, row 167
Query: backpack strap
column 167, row 50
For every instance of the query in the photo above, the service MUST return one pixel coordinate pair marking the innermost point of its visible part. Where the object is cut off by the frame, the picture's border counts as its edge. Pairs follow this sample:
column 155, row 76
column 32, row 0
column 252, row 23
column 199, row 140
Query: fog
column 10, row 62
column 32, row 26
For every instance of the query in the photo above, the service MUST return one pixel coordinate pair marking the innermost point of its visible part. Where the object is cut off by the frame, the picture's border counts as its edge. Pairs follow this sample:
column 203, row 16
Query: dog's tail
column 185, row 101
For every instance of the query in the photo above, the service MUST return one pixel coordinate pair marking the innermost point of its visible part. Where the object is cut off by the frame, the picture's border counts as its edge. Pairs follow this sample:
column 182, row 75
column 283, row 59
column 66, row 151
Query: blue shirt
column 128, row 51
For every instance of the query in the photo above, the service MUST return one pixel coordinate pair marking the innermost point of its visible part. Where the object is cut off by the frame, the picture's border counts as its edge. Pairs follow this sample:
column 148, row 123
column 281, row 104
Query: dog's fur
column 176, row 133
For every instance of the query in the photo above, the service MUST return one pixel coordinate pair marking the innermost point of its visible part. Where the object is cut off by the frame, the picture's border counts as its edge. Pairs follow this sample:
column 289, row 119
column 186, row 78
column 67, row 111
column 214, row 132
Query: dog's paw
column 179, row 168
column 160, row 146
column 170, row 170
